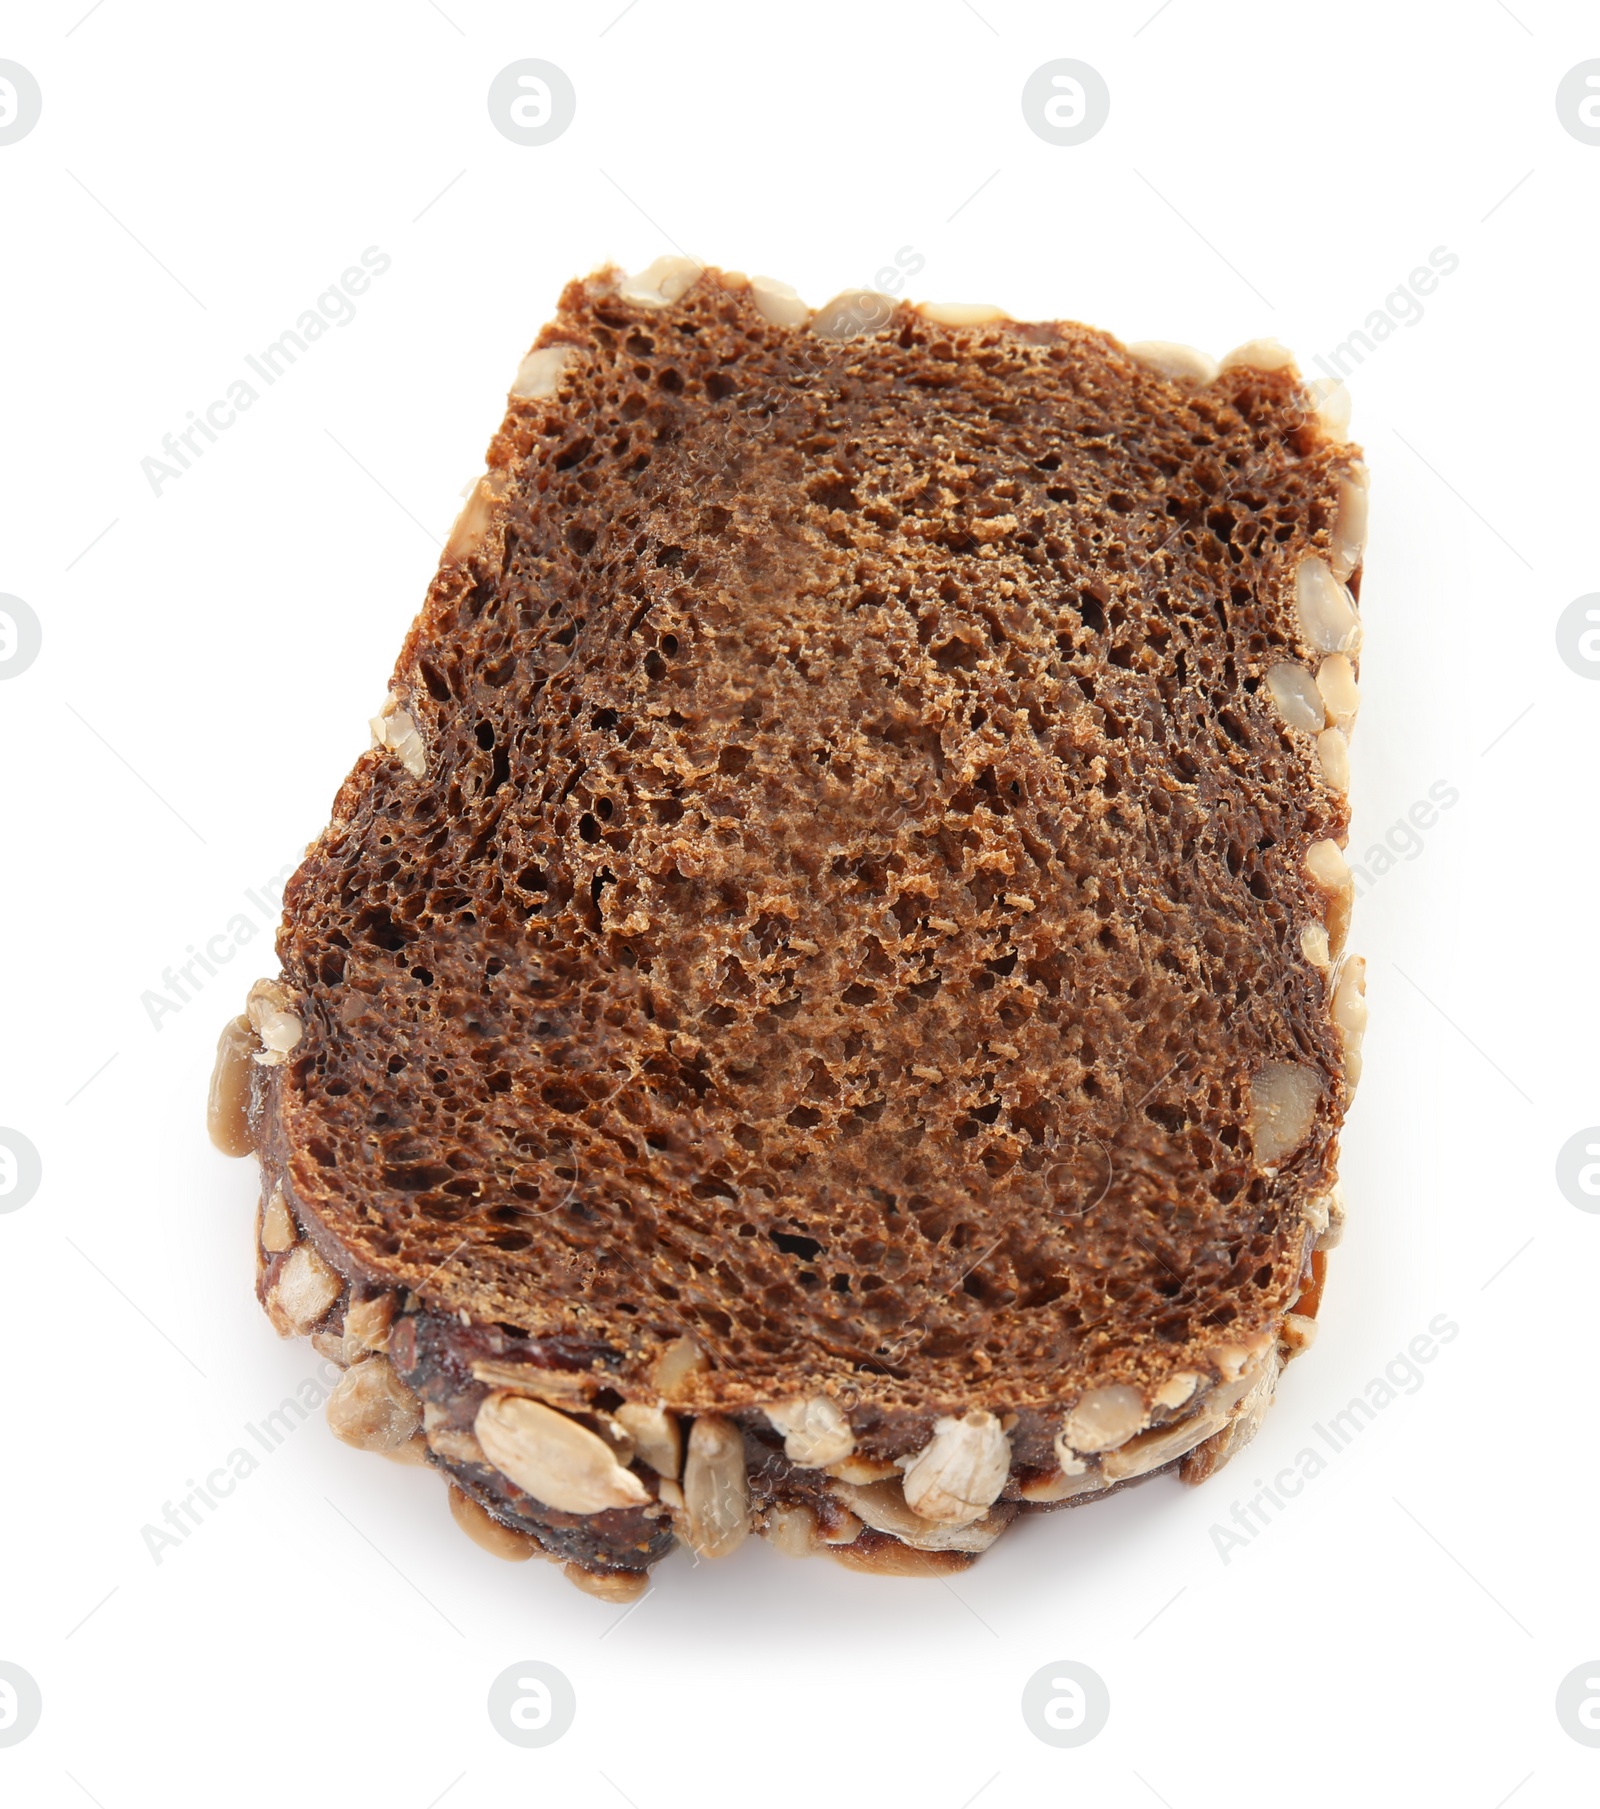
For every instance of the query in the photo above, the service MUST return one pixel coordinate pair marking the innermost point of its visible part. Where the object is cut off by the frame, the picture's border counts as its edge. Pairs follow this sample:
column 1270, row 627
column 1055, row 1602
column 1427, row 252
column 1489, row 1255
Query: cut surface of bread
column 824, row 1008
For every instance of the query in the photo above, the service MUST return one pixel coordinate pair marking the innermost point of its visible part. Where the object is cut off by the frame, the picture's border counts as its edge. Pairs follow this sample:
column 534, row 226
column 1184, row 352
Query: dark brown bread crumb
column 856, row 875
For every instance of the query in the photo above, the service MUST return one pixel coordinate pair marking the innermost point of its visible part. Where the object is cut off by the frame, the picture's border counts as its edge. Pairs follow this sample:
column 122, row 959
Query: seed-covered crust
column 840, row 934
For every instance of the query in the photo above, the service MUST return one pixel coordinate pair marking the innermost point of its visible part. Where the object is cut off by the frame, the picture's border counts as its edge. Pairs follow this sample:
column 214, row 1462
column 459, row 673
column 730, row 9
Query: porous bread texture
column 855, row 876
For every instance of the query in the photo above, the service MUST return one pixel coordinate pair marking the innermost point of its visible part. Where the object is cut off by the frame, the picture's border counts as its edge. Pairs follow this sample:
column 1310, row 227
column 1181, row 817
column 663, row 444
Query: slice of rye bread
column 834, row 962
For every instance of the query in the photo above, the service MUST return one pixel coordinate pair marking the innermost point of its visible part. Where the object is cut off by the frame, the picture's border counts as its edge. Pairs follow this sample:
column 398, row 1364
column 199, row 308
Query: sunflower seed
column 540, row 373
column 815, row 1432
column 959, row 1473
column 302, row 1293
column 1102, row 1420
column 618, row 1586
column 556, row 1460
column 716, row 1489
column 1177, row 363
column 372, row 1408
column 228, row 1102
column 493, row 1535
column 655, row 1434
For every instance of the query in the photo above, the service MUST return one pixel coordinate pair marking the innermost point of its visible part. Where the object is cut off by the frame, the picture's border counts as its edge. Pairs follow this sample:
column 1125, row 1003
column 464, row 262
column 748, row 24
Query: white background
column 200, row 174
